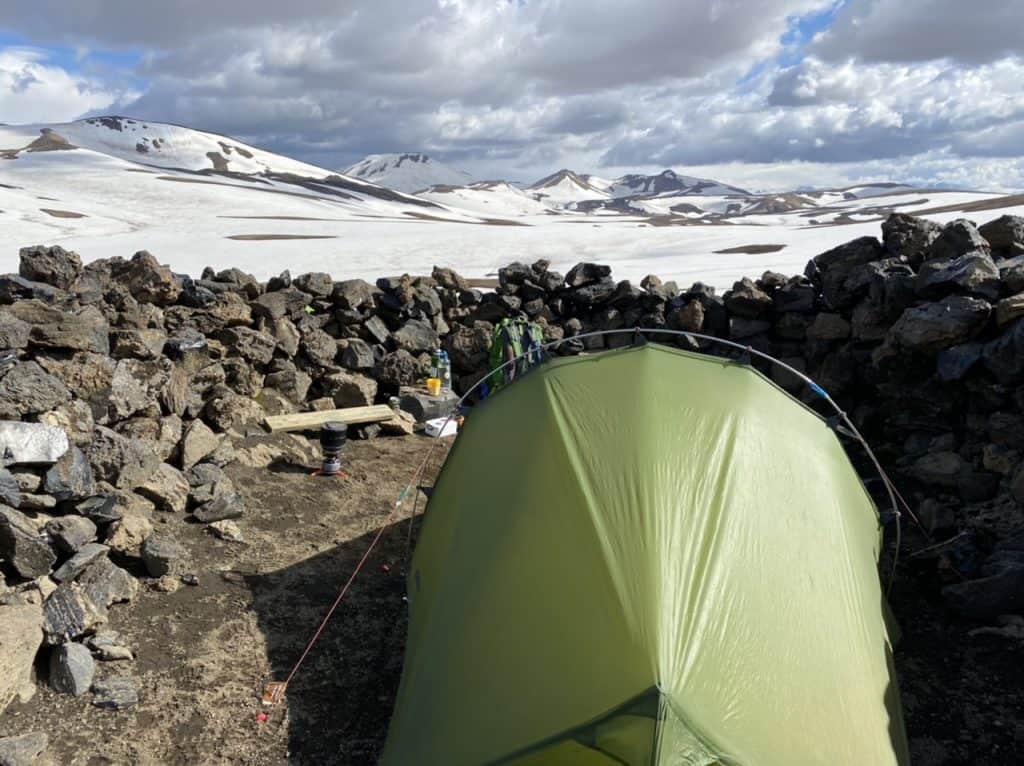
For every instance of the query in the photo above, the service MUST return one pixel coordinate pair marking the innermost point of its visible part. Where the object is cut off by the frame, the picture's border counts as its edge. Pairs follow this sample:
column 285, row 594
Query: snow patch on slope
column 408, row 173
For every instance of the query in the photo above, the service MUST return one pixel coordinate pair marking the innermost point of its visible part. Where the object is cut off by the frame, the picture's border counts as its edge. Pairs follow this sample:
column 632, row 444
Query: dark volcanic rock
column 909, row 237
column 839, row 269
column 28, row 389
column 52, row 265
column 149, row 281
column 747, row 300
column 70, row 478
column 71, row 669
column 23, row 546
column 1005, row 235
column 974, row 272
column 957, row 238
column 22, row 749
column 931, row 327
column 163, row 555
column 1004, row 356
column 586, row 273
column 228, row 506
column 86, row 330
column 117, row 693
column 68, row 613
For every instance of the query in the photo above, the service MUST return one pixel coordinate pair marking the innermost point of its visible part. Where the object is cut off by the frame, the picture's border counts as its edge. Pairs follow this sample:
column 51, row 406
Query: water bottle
column 445, row 372
column 435, row 365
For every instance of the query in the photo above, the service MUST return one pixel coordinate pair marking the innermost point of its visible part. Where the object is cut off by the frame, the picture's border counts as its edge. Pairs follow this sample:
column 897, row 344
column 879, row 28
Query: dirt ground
column 204, row 652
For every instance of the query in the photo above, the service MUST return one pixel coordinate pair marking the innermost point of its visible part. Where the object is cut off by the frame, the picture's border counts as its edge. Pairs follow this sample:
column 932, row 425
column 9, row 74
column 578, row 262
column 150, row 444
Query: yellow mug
column 434, row 386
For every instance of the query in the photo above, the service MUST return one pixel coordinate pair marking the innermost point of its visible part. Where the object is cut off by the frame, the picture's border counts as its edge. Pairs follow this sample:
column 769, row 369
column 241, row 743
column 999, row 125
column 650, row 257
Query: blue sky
column 764, row 93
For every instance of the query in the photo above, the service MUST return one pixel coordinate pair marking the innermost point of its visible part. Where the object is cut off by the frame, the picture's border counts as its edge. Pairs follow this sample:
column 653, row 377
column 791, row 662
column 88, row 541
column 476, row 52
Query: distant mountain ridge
column 410, row 172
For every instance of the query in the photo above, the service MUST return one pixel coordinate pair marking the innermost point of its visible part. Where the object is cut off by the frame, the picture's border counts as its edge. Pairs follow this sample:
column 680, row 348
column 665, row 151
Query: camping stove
column 332, row 440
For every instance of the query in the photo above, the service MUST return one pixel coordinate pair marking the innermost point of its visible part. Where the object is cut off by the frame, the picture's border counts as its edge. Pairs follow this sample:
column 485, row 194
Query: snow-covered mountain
column 566, row 187
column 407, row 172
column 109, row 186
column 669, row 182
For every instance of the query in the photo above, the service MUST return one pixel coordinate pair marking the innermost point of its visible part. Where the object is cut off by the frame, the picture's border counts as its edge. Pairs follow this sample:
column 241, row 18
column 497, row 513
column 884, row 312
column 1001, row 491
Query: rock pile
column 124, row 386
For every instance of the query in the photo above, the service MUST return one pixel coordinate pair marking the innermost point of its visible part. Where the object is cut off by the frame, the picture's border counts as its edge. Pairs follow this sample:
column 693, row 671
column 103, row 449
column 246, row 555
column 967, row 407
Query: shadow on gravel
column 339, row 703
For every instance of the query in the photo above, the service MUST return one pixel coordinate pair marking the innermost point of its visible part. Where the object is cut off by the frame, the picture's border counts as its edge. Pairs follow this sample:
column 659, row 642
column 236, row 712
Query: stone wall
column 124, row 385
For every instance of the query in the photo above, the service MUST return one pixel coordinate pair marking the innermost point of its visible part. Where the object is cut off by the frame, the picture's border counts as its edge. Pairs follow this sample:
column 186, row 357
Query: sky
column 766, row 94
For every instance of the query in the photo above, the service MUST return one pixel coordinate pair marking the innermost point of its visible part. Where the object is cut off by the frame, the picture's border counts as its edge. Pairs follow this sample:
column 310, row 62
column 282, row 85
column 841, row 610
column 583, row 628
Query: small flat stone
column 117, row 693
column 229, row 506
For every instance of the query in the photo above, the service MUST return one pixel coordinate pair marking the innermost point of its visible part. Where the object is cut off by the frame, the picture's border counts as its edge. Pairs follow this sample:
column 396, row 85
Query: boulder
column 116, row 693
column 449, row 279
column 988, row 597
column 14, row 333
column 127, row 535
column 227, row 506
column 71, row 669
column 357, row 354
column 974, row 272
column 197, row 442
column 416, row 336
column 1004, row 356
column 10, row 489
column 109, row 646
column 941, row 469
column 167, row 487
column 52, row 265
column 163, row 555
column 1005, row 235
column 287, row 335
column 21, row 635
column 252, row 345
column 290, row 381
column 149, row 281
column 689, row 317
column 69, row 613
column 828, row 327
column 954, row 363
column 399, row 368
column 86, row 330
column 74, row 566
column 71, row 533
column 909, row 237
column 27, row 389
column 586, row 273
column 354, row 294
column 350, row 389
column 319, row 347
column 228, row 411
column 317, row 284
column 957, row 238
column 1009, row 309
column 145, row 343
column 375, row 331
column 280, row 303
column 101, row 509
column 747, row 300
column 931, row 327
column 70, row 478
column 104, row 583
column 122, row 461
column 227, row 531
column 21, row 544
column 842, row 268
column 22, row 749
column 469, row 347
column 422, row 406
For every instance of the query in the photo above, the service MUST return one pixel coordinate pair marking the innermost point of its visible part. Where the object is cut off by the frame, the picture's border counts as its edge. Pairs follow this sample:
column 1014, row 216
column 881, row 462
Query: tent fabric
column 647, row 518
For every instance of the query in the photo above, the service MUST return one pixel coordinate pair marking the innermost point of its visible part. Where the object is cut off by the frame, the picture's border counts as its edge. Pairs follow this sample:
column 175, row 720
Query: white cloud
column 33, row 91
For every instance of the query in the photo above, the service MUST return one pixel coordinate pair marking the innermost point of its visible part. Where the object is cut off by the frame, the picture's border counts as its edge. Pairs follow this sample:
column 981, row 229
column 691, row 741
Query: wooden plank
column 303, row 421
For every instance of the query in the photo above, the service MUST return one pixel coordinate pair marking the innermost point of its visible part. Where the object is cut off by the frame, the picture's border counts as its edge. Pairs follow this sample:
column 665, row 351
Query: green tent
column 647, row 556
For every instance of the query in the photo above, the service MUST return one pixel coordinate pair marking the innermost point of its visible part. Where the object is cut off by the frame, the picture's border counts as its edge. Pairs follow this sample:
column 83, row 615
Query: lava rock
column 416, row 337
column 149, row 281
column 21, row 544
column 104, row 583
column 71, row 669
column 21, row 634
column 586, row 273
column 23, row 749
column 931, row 327
column 350, row 389
column 354, row 294
column 122, row 461
column 74, row 566
column 1004, row 356
column 101, row 509
column 988, row 597
column 974, row 273
column 834, row 268
column 957, row 238
column 68, row 613
column 10, row 490
column 1005, row 235
column 27, row 389
column 399, row 368
column 909, row 237
column 71, row 533
column 228, row 506
column 118, row 693
column 163, row 555
column 70, row 478
column 251, row 345
column 747, row 300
